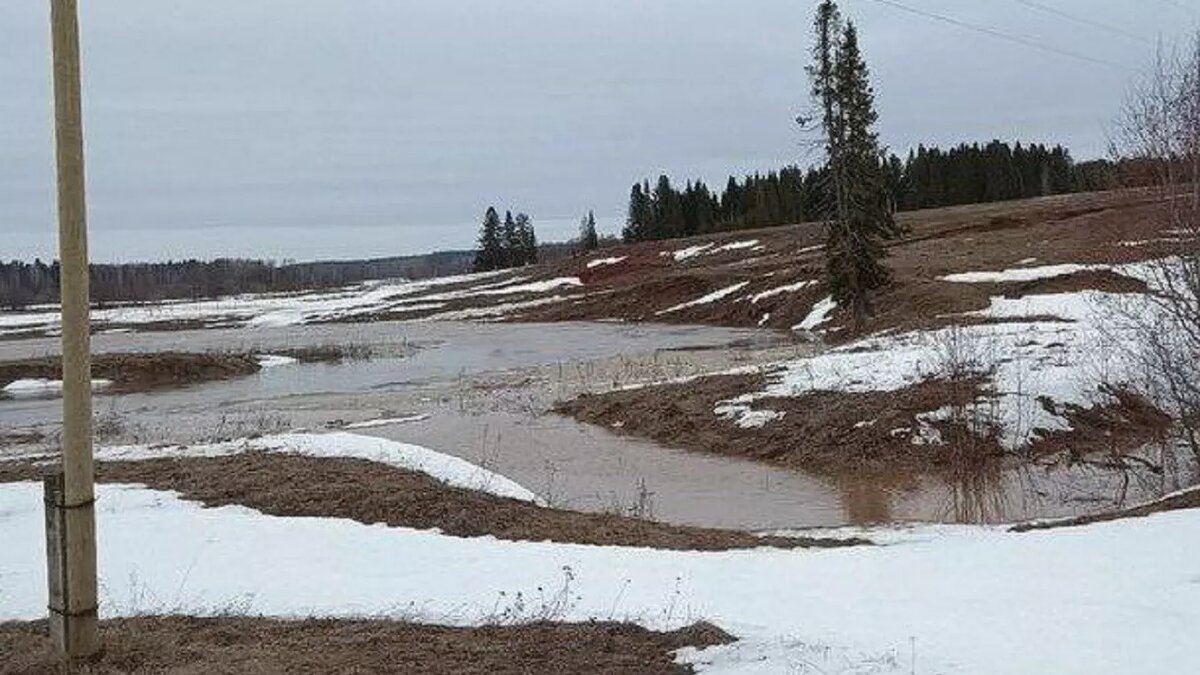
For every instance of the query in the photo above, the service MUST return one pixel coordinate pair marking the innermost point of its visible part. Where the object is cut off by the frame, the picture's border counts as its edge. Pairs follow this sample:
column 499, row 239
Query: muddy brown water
column 484, row 391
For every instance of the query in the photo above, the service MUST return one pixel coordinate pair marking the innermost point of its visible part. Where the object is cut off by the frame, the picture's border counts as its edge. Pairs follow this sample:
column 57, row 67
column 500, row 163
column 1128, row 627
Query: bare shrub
column 965, row 360
column 1158, row 133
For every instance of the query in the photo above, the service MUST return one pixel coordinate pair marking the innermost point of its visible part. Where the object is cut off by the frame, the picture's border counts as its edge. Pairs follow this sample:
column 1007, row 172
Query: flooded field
column 484, row 392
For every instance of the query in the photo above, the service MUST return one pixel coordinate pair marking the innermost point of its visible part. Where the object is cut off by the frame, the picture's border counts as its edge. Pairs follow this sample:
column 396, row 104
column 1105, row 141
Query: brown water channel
column 483, row 391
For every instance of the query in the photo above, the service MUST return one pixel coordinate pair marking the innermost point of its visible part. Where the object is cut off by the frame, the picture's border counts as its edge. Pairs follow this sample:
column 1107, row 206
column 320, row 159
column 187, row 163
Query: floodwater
column 483, row 392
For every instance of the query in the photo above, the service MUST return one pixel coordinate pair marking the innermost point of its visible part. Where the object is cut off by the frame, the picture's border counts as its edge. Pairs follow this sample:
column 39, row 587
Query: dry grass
column 137, row 372
column 185, row 645
column 368, row 492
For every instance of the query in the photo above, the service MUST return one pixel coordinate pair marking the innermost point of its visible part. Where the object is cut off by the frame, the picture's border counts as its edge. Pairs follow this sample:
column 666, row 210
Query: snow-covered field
column 1119, row 597
column 419, row 298
column 1027, row 358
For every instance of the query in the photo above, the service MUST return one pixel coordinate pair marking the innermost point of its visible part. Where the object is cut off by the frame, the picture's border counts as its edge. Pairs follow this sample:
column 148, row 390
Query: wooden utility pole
column 70, row 497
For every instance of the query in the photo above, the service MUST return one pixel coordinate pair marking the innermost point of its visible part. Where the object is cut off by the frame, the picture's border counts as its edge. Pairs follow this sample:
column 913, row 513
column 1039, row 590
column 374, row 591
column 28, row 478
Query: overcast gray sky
column 344, row 128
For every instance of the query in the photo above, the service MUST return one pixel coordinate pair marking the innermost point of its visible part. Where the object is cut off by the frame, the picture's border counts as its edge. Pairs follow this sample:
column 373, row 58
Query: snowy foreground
column 1119, row 597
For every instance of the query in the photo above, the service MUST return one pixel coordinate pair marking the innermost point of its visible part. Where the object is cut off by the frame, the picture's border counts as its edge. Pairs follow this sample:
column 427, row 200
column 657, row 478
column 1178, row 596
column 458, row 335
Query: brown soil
column 129, row 372
column 838, row 432
column 368, row 492
column 21, row 437
column 1177, row 502
column 326, row 353
column 1086, row 228
column 174, row 644
column 822, row 431
column 1097, row 280
column 1132, row 422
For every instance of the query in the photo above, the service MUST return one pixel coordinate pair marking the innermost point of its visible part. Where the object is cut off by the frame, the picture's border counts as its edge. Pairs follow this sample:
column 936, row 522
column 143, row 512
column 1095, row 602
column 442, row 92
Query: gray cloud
column 373, row 127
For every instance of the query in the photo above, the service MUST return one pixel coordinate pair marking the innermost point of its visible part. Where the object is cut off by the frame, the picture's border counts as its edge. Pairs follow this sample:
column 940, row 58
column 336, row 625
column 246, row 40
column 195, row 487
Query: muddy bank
column 874, row 433
column 1188, row 499
column 136, row 372
column 175, row 644
column 132, row 372
column 826, row 432
column 368, row 492
column 335, row 353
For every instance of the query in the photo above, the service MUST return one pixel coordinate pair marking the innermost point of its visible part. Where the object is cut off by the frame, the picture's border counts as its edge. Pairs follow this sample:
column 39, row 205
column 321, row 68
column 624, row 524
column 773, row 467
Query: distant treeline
column 24, row 284
column 928, row 178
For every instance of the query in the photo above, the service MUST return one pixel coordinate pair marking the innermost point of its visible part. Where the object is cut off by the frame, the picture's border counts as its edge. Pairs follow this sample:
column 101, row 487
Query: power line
column 1084, row 20
column 1002, row 35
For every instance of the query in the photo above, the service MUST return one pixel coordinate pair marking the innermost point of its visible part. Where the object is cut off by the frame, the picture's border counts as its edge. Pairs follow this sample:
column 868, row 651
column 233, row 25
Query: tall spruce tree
column 861, row 218
column 510, row 238
column 489, row 255
column 641, row 213
column 527, row 250
column 588, row 239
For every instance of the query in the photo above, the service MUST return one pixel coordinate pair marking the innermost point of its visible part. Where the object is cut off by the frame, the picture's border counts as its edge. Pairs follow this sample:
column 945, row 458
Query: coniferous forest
column 512, row 243
column 927, row 178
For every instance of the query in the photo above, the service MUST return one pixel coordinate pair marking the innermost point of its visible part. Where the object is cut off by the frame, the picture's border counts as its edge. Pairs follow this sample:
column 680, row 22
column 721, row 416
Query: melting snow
column 819, row 315
column 747, row 419
column 790, row 288
column 446, row 468
column 736, row 246
column 275, row 360
column 1021, row 274
column 386, row 421
column 41, row 387
column 286, row 309
column 535, row 286
column 711, row 297
column 689, row 252
column 710, row 249
column 1028, row 360
column 605, row 261
column 1106, row 599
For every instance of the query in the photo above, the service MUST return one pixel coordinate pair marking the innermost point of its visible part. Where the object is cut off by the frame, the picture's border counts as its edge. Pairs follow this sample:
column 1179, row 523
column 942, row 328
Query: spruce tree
column 588, row 239
column 510, row 239
column 638, row 220
column 861, row 217
column 527, row 253
column 668, row 211
column 490, row 253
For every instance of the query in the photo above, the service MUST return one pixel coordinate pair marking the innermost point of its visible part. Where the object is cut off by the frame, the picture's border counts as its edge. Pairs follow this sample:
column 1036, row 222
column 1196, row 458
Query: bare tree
column 1158, row 134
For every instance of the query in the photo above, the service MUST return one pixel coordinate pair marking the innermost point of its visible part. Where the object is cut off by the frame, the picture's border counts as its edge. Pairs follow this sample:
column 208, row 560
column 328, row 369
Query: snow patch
column 711, row 297
column 445, row 468
column 711, row 249
column 42, row 387
column 790, row 288
column 386, row 421
column 1021, row 274
column 275, row 360
column 736, row 246
column 819, row 315
column 689, row 252
column 592, row 264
